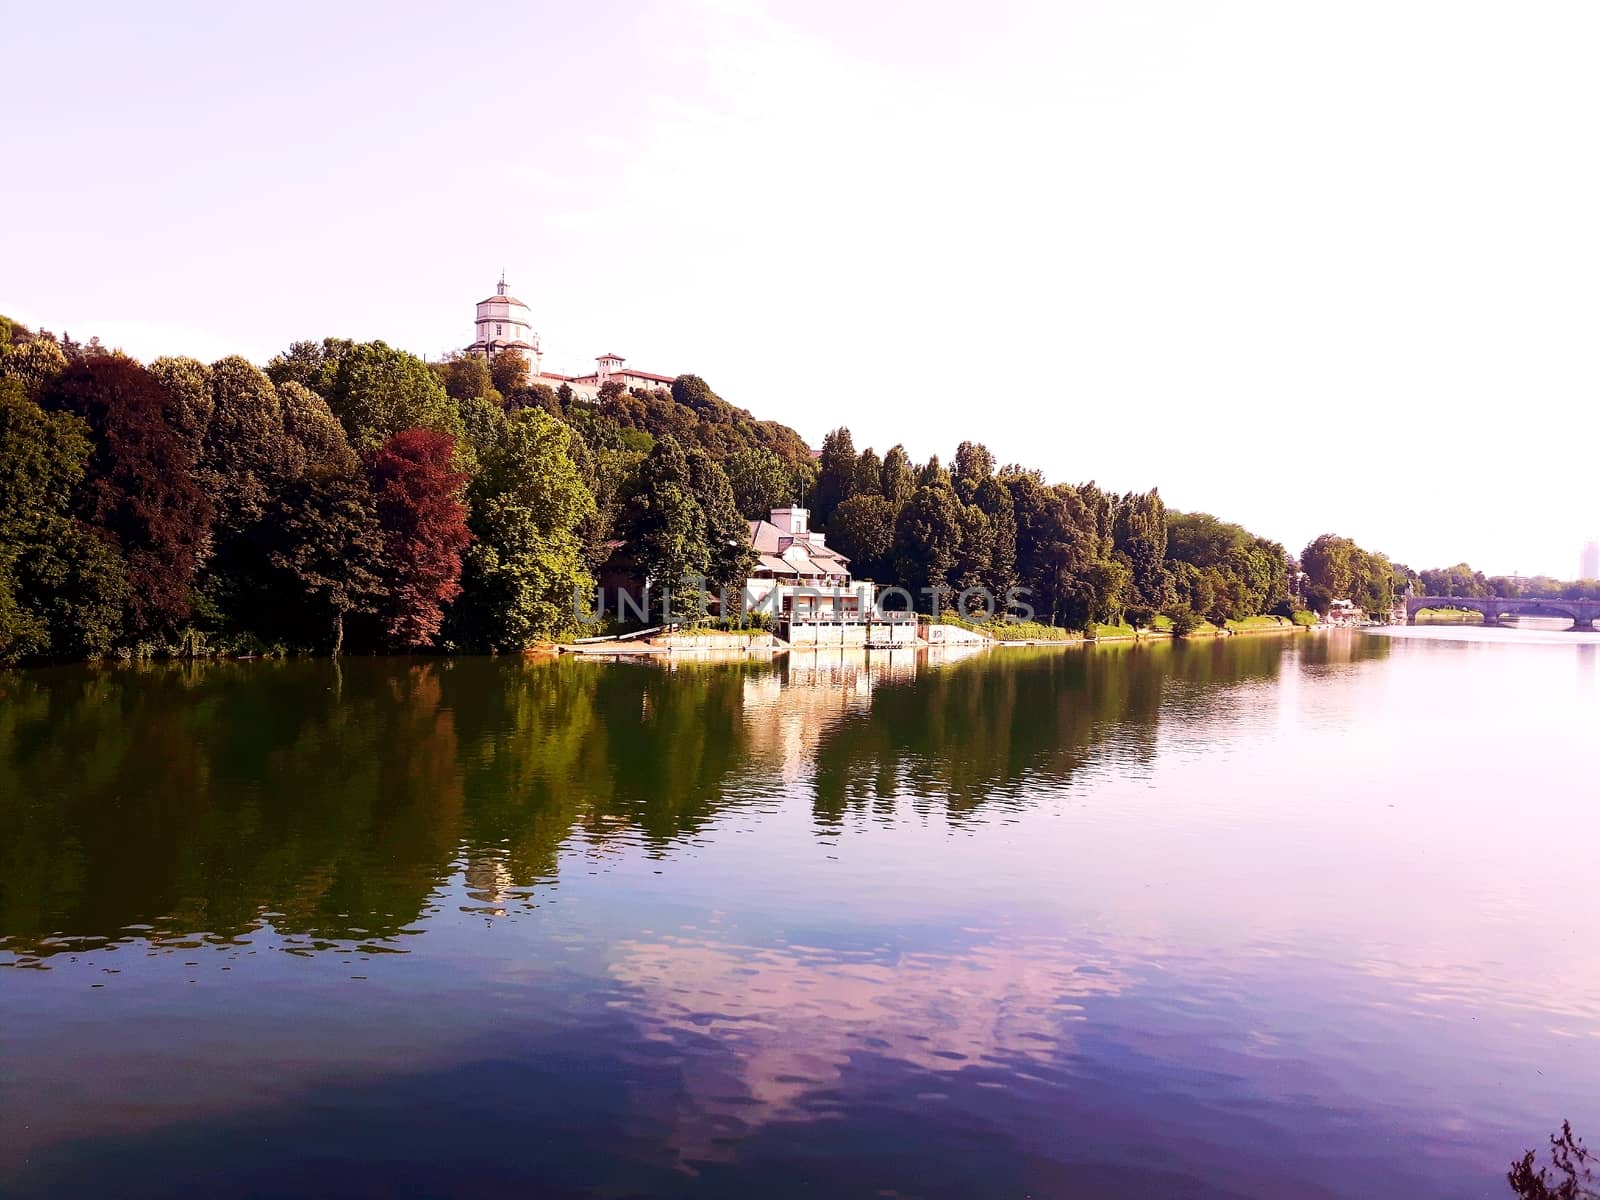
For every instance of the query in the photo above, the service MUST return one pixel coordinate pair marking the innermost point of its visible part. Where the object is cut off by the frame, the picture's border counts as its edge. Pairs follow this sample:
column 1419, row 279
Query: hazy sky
column 1309, row 267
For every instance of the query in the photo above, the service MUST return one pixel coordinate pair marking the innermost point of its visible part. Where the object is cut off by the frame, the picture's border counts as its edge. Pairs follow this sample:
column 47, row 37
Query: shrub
column 1184, row 621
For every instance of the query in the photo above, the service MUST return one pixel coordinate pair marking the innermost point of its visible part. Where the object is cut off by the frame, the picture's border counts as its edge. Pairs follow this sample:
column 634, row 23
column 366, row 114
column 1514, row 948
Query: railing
column 831, row 617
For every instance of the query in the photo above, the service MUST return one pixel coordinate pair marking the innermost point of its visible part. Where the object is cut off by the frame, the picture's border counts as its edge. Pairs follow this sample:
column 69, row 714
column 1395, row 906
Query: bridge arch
column 1581, row 613
column 1547, row 609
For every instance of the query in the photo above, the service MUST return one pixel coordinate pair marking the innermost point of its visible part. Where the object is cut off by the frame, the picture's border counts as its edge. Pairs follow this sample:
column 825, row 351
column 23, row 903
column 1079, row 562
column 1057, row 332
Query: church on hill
column 506, row 323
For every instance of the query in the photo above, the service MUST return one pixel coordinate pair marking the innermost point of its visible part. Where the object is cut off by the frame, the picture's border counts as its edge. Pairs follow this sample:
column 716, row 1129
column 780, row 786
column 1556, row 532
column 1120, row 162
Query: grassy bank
column 1160, row 626
column 1100, row 631
column 1013, row 631
column 1448, row 616
column 1265, row 624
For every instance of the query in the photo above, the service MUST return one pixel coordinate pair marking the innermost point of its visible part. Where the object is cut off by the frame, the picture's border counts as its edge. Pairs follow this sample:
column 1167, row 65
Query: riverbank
column 1448, row 616
column 764, row 644
column 1162, row 628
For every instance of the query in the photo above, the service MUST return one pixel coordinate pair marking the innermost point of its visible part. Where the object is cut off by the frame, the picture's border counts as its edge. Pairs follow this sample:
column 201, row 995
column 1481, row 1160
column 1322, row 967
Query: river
column 1307, row 916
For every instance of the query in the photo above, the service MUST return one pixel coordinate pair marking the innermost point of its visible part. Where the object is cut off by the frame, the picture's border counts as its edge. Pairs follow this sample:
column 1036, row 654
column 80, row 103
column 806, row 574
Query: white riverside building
column 805, row 585
column 505, row 323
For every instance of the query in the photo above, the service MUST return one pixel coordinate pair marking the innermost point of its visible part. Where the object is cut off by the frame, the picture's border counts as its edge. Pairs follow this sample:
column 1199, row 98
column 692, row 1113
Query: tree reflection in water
column 332, row 803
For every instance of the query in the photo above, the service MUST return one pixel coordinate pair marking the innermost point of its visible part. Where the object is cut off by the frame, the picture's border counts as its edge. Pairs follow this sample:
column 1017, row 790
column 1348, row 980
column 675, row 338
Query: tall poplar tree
column 836, row 476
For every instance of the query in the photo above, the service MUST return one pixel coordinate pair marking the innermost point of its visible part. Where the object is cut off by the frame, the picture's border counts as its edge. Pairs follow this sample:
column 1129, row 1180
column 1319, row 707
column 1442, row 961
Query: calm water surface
column 1308, row 917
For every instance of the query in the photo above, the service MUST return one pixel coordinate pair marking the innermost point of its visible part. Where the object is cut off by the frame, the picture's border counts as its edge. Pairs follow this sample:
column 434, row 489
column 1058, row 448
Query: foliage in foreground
column 1568, row 1177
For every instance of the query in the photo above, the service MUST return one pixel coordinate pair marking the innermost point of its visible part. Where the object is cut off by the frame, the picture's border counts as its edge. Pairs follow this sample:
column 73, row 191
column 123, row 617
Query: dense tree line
column 1081, row 553
column 1335, row 568
column 1462, row 580
column 341, row 497
column 352, row 496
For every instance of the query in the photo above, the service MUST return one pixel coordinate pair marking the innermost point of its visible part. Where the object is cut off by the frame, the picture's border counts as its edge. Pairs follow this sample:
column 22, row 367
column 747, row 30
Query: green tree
column 836, row 477
column 245, row 459
column 466, row 377
column 74, row 584
column 189, row 381
column 1327, row 564
column 868, row 479
column 933, row 474
column 975, row 549
column 695, row 393
column 898, row 477
column 728, row 554
column 1235, row 574
column 310, row 364
column 1139, row 531
column 315, row 437
column 928, row 534
column 324, row 546
column 528, row 506
column 1336, row 569
column 33, row 364
column 61, row 586
column 374, row 390
column 973, row 464
column 761, row 481
column 665, row 530
column 1184, row 620
column 1102, row 593
column 1459, row 580
column 245, row 452
column 508, row 372
column 863, row 530
column 993, row 499
column 1056, row 550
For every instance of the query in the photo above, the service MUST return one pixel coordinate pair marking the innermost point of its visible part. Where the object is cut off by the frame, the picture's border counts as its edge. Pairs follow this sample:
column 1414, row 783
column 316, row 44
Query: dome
column 500, row 295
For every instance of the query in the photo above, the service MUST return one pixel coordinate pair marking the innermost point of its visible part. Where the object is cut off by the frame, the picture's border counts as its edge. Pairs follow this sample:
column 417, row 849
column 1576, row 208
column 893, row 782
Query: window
column 499, row 330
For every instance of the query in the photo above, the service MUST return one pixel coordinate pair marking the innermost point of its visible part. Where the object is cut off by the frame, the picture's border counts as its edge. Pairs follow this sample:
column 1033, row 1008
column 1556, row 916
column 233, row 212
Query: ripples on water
column 1260, row 917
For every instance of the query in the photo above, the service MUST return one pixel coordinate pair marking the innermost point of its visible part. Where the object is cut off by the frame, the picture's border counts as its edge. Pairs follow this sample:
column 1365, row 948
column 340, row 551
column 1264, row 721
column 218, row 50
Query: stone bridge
column 1581, row 613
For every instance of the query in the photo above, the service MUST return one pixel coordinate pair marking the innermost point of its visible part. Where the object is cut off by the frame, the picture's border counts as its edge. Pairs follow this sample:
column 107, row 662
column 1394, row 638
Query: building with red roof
column 505, row 323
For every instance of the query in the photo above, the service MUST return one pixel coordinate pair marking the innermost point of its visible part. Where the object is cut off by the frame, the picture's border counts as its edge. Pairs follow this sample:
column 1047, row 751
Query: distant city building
column 1589, row 568
column 505, row 323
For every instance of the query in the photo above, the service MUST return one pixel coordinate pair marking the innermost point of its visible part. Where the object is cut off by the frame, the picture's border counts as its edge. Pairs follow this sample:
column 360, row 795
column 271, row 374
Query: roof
column 767, row 539
column 649, row 375
column 503, row 300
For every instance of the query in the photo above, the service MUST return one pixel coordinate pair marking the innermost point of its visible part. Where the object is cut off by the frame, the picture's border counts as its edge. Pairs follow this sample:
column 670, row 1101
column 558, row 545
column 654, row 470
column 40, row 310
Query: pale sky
column 1309, row 267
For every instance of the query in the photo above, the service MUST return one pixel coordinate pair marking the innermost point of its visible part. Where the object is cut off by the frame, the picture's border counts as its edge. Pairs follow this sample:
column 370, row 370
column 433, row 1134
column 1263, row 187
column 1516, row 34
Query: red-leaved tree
column 140, row 488
column 419, row 498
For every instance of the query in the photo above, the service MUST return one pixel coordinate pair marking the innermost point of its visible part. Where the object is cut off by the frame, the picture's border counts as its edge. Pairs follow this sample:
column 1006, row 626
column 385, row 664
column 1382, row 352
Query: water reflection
column 786, row 1021
column 1231, row 918
column 206, row 799
column 331, row 804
